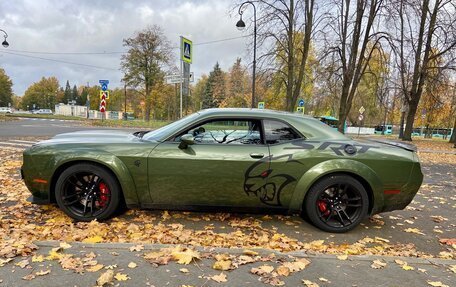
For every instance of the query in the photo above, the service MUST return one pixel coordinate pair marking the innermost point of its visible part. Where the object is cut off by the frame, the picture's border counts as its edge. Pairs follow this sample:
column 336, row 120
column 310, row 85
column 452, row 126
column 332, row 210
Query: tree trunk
column 453, row 135
column 413, row 106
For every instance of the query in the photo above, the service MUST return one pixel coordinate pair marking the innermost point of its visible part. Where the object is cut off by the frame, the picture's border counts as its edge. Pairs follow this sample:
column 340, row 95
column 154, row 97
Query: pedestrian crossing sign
column 186, row 50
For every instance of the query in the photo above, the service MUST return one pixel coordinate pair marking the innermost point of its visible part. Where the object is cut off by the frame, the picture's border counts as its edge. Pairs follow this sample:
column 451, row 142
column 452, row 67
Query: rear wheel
column 337, row 203
column 87, row 191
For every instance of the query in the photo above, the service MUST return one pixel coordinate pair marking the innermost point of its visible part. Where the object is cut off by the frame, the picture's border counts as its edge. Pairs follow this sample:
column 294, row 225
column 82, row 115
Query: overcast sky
column 63, row 26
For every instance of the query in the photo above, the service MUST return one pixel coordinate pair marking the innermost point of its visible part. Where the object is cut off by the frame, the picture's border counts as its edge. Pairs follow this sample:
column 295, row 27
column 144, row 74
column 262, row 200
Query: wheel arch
column 359, row 171
column 118, row 170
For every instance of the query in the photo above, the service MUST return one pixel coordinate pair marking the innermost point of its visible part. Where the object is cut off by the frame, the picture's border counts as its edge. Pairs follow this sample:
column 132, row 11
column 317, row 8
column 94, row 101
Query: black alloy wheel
column 337, row 203
column 86, row 192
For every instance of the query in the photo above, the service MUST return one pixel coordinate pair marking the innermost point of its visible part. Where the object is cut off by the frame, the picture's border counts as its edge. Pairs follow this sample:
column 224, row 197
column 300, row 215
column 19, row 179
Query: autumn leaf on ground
column 93, row 239
column 184, row 270
column 219, row 278
column 250, row 252
column 378, row 264
column 404, row 265
column 342, row 257
column 137, row 248
column 452, row 268
column 105, row 278
column 222, row 265
column 166, row 215
column 297, row 265
column 95, row 268
column 65, row 245
column 29, row 277
column 324, row 280
column 37, row 258
column 414, row 230
column 448, row 241
column 309, row 283
column 437, row 284
column 4, row 261
column 184, row 257
column 132, row 265
column 22, row 263
column 283, row 271
column 121, row 277
column 262, row 270
column 43, row 272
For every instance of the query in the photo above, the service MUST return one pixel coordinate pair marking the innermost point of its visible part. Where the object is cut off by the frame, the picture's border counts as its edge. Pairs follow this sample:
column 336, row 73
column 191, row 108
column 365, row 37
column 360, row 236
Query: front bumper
column 37, row 200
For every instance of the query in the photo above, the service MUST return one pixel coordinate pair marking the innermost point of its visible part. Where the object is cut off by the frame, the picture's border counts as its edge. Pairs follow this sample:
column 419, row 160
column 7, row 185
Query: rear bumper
column 407, row 192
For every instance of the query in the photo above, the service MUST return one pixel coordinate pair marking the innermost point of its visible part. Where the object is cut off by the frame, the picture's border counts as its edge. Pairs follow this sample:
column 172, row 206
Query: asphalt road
column 36, row 127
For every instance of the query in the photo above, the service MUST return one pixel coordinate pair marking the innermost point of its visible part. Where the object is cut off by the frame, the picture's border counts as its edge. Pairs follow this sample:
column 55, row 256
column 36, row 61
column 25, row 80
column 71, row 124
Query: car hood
column 93, row 136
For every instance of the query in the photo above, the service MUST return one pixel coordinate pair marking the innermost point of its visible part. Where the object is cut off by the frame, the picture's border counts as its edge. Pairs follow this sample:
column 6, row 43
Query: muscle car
column 238, row 159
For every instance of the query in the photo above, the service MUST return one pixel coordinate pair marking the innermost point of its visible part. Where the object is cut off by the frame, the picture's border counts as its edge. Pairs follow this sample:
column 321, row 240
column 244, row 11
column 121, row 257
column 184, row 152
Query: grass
column 58, row 117
column 129, row 124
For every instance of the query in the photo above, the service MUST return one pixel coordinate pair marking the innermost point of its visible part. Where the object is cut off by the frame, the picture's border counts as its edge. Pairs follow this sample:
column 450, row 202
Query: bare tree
column 285, row 30
column 352, row 36
column 425, row 32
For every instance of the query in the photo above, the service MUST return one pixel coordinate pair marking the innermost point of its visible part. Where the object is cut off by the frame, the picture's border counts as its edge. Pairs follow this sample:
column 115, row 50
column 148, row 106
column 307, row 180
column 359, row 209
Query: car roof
column 251, row 112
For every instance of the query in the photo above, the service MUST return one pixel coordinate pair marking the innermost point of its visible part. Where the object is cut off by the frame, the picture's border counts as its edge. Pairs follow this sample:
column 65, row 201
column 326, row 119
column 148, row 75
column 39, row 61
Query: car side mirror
column 186, row 140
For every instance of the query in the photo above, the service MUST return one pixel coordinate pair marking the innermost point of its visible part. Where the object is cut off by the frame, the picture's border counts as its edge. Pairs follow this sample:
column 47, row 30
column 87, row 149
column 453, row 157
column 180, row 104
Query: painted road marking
column 22, row 141
column 15, row 144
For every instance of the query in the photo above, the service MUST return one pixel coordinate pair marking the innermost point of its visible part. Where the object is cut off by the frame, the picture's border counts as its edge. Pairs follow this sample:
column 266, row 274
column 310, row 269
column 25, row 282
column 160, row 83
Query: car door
column 212, row 171
column 289, row 161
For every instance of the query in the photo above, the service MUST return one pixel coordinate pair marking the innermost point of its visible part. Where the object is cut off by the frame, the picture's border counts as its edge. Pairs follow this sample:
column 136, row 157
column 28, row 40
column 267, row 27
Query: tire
column 337, row 203
column 87, row 191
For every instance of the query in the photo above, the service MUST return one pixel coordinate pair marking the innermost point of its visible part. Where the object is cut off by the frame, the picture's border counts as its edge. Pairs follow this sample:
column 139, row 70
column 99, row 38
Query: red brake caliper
column 104, row 194
column 323, row 207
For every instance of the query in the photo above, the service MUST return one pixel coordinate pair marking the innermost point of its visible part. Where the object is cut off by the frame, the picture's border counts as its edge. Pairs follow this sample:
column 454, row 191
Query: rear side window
column 278, row 132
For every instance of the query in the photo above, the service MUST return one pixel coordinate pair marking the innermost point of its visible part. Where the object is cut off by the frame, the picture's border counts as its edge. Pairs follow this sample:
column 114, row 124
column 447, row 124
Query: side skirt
column 205, row 208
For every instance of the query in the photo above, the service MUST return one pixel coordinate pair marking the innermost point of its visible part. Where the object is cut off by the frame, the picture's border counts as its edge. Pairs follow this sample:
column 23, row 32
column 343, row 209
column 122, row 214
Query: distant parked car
column 6, row 110
column 42, row 112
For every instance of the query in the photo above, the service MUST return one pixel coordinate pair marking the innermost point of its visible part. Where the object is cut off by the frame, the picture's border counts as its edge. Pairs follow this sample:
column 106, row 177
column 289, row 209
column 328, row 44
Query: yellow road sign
column 300, row 110
column 105, row 93
column 186, row 50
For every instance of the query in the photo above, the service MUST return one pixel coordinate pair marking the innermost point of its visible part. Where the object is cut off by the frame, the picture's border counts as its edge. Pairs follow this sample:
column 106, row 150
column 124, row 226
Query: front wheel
column 86, row 192
column 337, row 203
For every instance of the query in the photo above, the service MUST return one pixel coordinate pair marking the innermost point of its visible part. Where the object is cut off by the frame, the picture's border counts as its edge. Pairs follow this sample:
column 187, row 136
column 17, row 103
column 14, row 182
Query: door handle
column 256, row 155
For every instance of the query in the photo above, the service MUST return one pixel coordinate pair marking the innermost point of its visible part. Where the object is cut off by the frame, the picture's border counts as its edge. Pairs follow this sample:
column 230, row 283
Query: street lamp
column 5, row 43
column 241, row 25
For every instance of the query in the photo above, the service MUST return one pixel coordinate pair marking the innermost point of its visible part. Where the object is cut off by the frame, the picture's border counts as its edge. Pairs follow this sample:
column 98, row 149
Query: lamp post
column 241, row 25
column 5, row 43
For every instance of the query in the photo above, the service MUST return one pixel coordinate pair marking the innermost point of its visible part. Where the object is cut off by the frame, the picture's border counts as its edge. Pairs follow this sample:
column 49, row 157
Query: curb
column 239, row 251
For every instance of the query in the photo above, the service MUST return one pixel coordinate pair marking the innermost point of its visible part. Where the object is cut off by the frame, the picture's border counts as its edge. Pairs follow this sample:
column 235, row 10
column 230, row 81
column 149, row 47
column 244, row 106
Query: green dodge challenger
column 237, row 159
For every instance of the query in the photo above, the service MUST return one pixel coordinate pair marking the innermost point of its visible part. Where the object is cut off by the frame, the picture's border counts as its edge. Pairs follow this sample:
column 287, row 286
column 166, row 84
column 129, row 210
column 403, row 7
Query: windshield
column 163, row 132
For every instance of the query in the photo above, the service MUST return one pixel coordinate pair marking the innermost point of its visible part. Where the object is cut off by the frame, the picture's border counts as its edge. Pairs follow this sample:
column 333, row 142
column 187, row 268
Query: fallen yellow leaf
column 37, row 258
column 283, row 271
column 121, row 277
column 93, row 239
column 309, row 283
column 378, row 264
column 219, row 278
column 105, row 278
column 184, row 257
column 414, row 230
column 184, row 270
column 437, row 284
column 222, row 265
column 132, row 265
column 342, row 257
column 95, row 268
column 43, row 272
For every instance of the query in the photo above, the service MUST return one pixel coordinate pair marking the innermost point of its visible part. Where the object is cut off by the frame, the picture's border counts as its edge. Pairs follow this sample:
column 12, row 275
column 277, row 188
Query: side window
column 227, row 132
column 278, row 132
